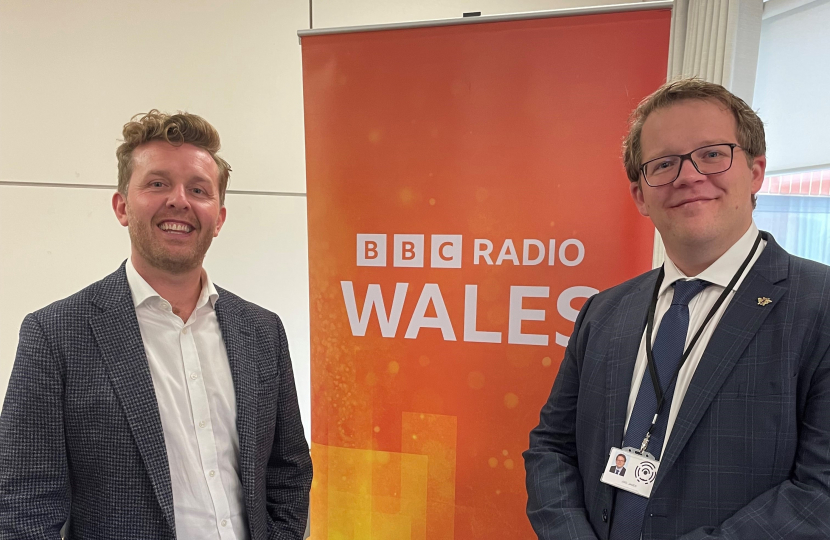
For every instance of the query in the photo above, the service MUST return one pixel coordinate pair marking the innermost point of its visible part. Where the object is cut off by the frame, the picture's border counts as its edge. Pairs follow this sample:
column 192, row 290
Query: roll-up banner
column 466, row 195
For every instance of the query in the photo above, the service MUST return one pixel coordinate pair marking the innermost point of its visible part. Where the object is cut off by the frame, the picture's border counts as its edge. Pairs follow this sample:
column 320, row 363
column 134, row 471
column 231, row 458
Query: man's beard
column 157, row 256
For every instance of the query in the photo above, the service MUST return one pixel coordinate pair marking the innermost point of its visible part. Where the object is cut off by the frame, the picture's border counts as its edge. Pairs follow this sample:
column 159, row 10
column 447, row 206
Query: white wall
column 791, row 88
column 55, row 241
column 336, row 13
column 73, row 72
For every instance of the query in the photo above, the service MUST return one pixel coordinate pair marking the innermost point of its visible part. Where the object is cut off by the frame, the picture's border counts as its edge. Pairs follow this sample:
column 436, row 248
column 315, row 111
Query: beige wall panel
column 73, row 72
column 334, row 13
column 55, row 241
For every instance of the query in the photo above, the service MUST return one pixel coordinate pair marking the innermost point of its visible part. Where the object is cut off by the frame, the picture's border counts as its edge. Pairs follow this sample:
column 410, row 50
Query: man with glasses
column 711, row 373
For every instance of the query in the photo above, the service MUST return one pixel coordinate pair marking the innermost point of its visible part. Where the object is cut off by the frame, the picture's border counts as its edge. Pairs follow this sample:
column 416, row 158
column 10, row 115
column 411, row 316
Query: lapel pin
column 763, row 301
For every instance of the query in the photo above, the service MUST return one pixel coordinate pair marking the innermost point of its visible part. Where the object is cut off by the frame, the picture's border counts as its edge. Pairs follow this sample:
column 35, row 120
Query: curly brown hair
column 176, row 129
column 750, row 128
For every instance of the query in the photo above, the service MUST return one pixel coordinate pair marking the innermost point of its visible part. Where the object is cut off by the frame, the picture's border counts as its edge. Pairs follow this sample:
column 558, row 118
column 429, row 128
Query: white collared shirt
column 194, row 389
column 719, row 274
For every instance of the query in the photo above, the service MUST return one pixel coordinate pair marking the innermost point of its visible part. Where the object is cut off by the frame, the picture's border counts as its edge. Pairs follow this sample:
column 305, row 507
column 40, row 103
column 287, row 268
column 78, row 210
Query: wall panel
column 54, row 241
column 72, row 73
column 334, row 13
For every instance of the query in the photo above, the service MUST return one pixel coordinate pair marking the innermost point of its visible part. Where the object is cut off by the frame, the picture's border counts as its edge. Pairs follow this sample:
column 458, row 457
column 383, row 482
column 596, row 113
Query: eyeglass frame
column 684, row 157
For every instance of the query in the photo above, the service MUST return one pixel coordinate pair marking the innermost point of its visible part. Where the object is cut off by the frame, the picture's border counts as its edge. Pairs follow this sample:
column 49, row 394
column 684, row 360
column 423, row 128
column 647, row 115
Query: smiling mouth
column 175, row 227
column 690, row 201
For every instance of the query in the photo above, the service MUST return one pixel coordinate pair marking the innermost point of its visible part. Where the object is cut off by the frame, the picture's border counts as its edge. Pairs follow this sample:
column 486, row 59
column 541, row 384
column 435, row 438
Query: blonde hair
column 175, row 129
column 749, row 127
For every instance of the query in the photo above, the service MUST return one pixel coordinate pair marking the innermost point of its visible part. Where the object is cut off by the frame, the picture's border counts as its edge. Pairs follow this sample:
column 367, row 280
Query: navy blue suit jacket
column 749, row 455
column 81, row 435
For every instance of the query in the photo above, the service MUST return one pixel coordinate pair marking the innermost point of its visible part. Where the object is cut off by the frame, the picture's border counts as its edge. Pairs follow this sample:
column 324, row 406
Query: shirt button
column 194, row 376
column 212, row 473
column 202, row 423
column 224, row 522
column 184, row 330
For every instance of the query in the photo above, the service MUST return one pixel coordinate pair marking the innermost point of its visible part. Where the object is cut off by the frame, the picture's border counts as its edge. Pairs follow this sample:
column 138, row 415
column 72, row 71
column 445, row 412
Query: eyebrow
column 710, row 142
column 164, row 174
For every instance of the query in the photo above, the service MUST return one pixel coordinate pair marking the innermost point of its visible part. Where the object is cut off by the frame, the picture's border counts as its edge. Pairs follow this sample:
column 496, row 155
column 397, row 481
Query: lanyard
column 655, row 380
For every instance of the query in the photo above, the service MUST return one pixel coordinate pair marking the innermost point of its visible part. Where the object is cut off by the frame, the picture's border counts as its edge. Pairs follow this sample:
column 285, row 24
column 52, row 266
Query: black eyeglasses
column 711, row 159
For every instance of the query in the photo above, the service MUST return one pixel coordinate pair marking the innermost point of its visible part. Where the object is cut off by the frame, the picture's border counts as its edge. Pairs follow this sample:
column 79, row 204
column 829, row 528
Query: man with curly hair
column 154, row 404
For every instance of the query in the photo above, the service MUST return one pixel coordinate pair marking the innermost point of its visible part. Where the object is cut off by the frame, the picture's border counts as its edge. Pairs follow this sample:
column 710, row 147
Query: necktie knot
column 684, row 291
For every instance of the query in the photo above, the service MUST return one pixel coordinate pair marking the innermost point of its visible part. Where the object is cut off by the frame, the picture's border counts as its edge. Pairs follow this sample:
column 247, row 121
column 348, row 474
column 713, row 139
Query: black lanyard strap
column 652, row 368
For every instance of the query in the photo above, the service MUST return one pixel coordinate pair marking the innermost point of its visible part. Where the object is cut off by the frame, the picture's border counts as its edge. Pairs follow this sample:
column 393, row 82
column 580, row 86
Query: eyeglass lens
column 707, row 160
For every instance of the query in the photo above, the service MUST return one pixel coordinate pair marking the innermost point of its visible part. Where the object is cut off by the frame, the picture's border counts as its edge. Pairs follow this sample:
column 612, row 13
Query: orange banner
column 465, row 195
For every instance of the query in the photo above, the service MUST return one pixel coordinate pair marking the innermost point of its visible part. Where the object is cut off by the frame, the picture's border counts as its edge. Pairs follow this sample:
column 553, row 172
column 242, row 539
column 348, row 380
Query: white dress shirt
column 194, row 389
column 719, row 274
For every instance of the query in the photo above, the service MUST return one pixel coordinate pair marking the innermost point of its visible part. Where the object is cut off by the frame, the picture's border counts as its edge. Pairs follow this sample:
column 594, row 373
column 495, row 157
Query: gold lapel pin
column 763, row 301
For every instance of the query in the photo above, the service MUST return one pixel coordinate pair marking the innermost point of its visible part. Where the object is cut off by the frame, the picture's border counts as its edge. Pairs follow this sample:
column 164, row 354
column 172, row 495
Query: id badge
column 626, row 469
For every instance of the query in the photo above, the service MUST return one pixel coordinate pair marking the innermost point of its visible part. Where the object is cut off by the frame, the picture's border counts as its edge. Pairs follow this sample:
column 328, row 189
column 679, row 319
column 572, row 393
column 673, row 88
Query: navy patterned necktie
column 630, row 509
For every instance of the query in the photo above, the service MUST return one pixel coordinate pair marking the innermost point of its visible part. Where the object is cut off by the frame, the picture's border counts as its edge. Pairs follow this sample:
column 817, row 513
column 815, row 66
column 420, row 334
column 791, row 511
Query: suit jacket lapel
column 628, row 333
column 240, row 342
column 119, row 339
column 738, row 326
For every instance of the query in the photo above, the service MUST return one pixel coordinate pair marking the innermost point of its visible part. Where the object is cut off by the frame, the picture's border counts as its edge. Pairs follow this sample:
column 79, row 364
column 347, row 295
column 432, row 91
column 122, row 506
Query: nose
column 688, row 173
column 178, row 198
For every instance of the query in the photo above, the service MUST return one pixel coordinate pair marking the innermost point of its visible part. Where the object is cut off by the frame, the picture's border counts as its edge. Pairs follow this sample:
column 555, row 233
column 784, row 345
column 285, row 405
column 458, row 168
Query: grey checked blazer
column 81, row 435
column 749, row 455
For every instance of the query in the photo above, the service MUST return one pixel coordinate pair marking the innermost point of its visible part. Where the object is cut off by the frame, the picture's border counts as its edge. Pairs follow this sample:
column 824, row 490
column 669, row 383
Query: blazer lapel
column 737, row 327
column 628, row 333
column 240, row 342
column 119, row 339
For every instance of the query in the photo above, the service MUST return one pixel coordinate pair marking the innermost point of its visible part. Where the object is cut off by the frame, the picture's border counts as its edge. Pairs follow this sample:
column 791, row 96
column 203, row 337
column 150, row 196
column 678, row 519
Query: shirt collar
column 719, row 272
column 142, row 291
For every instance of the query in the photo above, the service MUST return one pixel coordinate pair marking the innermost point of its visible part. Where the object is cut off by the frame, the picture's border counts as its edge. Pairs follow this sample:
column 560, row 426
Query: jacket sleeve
column 798, row 508
column 555, row 499
column 288, row 475
column 34, row 480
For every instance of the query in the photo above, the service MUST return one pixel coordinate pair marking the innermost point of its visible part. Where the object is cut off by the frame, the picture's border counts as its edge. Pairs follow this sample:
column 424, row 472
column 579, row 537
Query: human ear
column 119, row 206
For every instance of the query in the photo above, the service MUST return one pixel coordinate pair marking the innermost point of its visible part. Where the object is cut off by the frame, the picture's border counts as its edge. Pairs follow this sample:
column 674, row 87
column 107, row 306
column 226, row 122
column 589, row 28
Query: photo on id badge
column 631, row 472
